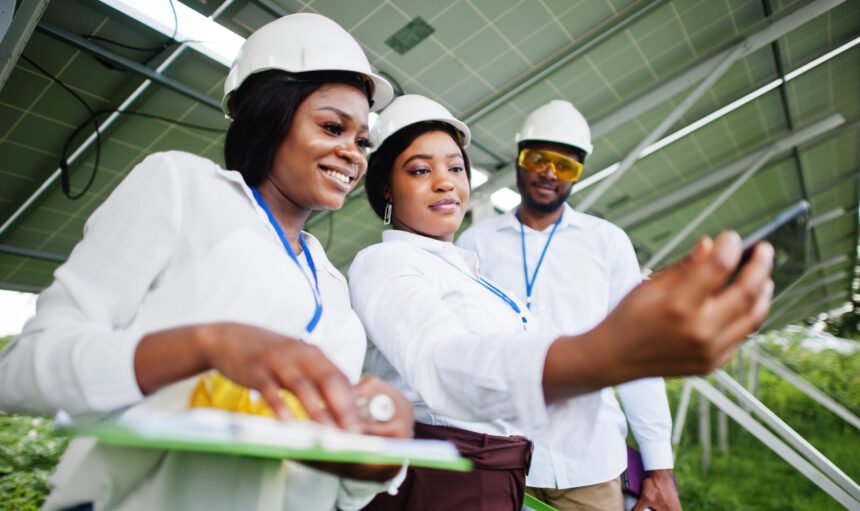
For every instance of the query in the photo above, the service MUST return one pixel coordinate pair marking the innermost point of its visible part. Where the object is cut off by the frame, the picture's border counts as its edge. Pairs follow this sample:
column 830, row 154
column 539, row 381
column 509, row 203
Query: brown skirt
column 496, row 483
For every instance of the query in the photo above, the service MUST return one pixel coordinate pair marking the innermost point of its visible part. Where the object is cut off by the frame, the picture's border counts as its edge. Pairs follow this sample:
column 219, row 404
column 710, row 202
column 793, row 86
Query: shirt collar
column 463, row 259
column 235, row 177
column 569, row 218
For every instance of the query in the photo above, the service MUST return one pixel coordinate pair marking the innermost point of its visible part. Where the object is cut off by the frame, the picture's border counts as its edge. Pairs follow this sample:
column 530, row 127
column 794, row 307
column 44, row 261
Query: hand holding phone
column 788, row 232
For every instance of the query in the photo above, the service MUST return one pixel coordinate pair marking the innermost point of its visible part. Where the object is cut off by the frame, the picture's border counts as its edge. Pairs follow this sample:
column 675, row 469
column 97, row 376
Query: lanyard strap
column 530, row 283
column 315, row 288
column 496, row 291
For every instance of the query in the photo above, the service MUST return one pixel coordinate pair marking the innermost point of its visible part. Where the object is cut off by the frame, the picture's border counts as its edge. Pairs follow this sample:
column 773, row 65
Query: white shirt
column 589, row 267
column 457, row 350
column 179, row 242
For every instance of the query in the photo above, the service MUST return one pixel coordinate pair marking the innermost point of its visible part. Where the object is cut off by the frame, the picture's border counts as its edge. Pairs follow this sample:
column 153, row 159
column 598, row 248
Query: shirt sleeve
column 457, row 373
column 77, row 353
column 355, row 495
column 644, row 401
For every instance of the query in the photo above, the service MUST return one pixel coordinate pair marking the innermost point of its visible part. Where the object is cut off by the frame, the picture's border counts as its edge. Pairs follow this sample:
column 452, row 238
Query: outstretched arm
column 684, row 321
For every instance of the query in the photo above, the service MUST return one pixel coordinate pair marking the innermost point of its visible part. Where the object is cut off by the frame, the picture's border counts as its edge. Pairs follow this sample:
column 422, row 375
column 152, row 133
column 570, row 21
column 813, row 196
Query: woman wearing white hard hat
column 190, row 269
column 478, row 369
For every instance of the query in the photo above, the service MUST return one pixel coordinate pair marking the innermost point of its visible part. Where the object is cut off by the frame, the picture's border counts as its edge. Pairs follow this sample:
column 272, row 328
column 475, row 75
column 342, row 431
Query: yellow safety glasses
column 539, row 160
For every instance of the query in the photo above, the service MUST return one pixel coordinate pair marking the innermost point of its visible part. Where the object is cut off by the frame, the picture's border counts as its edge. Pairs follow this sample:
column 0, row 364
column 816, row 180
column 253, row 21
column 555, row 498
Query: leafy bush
column 29, row 451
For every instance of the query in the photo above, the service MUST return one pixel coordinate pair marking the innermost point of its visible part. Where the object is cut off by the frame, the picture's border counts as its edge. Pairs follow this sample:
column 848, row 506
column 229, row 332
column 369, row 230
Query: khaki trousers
column 597, row 497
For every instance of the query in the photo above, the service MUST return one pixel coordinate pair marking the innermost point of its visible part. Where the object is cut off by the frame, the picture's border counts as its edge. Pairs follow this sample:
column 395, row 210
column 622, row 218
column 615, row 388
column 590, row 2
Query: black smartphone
column 788, row 232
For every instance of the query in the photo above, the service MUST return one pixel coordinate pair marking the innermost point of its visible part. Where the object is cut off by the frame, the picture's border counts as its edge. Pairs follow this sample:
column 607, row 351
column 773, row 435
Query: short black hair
column 263, row 109
column 381, row 162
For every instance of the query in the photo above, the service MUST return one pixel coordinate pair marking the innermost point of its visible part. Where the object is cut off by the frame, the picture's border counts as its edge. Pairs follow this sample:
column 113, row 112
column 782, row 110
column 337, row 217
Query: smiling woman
column 479, row 369
column 188, row 268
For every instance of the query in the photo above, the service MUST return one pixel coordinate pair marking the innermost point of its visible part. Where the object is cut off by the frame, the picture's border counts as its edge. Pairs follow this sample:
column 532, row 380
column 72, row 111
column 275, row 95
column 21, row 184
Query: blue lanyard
column 530, row 283
column 308, row 257
column 496, row 291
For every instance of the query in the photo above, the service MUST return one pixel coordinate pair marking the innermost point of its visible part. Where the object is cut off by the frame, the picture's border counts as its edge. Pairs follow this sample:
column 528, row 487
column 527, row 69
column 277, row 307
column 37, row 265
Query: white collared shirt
column 589, row 267
column 457, row 350
column 179, row 242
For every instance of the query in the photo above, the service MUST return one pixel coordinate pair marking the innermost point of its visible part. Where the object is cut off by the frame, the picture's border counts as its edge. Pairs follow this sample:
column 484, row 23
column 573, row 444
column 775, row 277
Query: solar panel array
column 490, row 62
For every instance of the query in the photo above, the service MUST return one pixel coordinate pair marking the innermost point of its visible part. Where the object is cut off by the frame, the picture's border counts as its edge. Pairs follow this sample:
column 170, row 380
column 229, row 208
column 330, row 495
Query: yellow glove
column 215, row 391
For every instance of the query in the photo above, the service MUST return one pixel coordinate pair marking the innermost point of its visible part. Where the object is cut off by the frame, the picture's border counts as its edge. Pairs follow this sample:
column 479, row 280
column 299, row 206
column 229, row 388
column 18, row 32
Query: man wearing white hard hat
column 572, row 269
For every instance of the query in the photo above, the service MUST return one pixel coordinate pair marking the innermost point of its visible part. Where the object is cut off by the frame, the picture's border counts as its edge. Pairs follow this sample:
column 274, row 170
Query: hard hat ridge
column 304, row 43
column 411, row 109
column 557, row 121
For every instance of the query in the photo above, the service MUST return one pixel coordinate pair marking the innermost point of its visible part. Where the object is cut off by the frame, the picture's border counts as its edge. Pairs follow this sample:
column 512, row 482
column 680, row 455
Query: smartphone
column 788, row 232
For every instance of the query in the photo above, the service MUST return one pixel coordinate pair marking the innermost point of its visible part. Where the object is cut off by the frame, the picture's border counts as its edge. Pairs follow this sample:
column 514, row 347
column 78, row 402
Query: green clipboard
column 416, row 452
column 536, row 504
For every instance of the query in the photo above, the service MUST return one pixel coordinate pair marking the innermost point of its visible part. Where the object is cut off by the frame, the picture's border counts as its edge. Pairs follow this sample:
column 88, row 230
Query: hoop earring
column 386, row 217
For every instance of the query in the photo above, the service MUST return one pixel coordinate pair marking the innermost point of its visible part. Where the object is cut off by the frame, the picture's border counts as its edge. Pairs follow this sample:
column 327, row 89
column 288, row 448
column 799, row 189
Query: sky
column 15, row 309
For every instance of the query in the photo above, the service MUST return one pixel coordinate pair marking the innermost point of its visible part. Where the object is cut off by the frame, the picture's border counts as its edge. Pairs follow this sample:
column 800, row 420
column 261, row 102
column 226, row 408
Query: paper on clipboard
column 219, row 431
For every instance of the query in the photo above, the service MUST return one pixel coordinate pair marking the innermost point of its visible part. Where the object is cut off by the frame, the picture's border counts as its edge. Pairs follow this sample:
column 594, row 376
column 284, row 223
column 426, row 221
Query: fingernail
column 728, row 252
column 768, row 251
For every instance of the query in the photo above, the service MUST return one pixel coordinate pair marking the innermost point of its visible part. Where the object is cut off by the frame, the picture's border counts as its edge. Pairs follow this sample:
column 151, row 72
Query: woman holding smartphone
column 188, row 267
column 478, row 369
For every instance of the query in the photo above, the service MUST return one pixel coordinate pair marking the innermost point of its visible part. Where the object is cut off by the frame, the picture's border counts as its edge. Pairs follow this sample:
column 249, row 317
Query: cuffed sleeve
column 355, row 494
column 647, row 410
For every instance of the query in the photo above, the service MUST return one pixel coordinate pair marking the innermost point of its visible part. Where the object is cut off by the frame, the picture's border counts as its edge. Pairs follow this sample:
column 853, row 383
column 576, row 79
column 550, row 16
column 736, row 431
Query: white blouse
column 179, row 242
column 455, row 348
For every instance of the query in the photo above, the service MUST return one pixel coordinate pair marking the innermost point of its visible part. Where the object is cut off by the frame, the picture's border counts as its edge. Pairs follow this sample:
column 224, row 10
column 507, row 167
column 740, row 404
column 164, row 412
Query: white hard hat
column 557, row 121
column 411, row 109
column 300, row 43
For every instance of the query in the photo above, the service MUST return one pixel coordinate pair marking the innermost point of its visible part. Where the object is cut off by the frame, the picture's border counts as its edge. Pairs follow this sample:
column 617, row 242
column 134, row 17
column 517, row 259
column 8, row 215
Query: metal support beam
column 804, row 290
column 681, row 418
column 625, row 18
column 789, row 123
column 809, row 271
column 720, row 66
column 756, row 39
column 788, row 434
column 789, row 312
column 705, row 433
column 156, row 76
column 752, row 380
column 705, row 213
column 16, row 37
column 707, row 391
column 107, row 123
column 819, row 306
column 761, row 35
column 791, row 302
column 33, row 254
column 23, row 288
column 671, row 200
column 504, row 176
column 781, row 370
column 829, row 216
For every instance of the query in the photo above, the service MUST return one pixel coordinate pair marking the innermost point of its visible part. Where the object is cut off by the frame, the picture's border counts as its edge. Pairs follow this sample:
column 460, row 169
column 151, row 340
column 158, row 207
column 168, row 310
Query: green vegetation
column 752, row 477
column 748, row 477
column 29, row 450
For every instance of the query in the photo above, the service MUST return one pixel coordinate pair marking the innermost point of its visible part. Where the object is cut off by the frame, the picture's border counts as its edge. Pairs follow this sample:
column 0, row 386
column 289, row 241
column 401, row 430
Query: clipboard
column 234, row 434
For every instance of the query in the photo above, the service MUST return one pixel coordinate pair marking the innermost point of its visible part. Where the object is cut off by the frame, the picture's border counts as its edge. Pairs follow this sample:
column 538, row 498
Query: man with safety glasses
column 571, row 269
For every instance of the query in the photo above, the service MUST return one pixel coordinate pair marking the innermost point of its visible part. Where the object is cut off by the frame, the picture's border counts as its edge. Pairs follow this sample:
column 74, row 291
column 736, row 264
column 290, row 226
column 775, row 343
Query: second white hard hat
column 557, row 121
column 411, row 109
column 301, row 43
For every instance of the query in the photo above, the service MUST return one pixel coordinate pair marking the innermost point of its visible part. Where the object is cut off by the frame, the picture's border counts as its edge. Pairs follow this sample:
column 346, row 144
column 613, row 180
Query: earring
column 386, row 217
